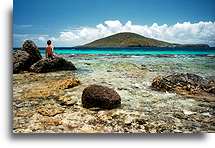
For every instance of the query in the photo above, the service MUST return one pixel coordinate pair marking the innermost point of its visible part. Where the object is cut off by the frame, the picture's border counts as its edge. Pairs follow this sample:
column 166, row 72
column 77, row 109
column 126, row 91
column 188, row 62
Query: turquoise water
column 135, row 51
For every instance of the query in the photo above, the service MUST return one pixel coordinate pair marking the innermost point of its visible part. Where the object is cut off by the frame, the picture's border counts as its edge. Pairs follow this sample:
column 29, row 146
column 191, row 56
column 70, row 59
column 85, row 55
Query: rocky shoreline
column 62, row 111
column 142, row 111
column 125, row 95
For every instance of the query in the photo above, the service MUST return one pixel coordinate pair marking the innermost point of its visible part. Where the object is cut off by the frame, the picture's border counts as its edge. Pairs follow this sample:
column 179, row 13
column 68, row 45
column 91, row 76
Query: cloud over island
column 184, row 33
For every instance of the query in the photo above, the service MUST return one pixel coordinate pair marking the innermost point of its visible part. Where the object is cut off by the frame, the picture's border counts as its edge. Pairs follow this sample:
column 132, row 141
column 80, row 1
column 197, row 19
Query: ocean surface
column 133, row 51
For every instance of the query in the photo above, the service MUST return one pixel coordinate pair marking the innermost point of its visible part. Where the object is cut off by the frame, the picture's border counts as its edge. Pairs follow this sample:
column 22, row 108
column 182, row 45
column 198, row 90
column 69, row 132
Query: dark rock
column 26, row 56
column 31, row 48
column 186, row 84
column 21, row 61
column 50, row 65
column 100, row 96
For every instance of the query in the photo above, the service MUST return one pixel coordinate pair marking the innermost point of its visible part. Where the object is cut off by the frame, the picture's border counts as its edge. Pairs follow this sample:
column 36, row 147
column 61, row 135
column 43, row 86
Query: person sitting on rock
column 49, row 50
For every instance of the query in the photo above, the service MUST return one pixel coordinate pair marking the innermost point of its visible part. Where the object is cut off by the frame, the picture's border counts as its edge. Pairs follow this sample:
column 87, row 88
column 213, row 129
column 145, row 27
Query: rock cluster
column 186, row 84
column 100, row 96
column 28, row 58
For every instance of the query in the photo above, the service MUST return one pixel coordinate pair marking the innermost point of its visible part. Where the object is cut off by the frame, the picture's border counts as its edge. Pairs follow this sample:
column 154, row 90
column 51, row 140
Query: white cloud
column 185, row 33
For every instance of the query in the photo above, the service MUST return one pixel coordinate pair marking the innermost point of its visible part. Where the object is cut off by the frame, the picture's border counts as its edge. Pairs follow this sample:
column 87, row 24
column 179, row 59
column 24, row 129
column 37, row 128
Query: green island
column 128, row 39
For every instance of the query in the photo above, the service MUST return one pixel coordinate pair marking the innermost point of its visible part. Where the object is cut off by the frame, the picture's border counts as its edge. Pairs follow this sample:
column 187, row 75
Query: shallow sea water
column 132, row 75
column 142, row 109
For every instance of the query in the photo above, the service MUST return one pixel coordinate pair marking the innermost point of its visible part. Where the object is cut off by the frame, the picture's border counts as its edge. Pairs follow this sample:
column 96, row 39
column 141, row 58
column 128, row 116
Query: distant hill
column 127, row 39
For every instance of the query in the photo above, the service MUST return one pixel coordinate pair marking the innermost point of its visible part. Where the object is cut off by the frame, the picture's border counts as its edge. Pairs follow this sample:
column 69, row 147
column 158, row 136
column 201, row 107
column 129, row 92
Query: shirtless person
column 49, row 50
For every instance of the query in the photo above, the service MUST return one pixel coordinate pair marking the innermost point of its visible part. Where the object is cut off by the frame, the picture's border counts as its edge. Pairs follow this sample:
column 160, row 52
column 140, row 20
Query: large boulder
column 186, row 84
column 51, row 65
column 100, row 96
column 31, row 48
column 26, row 56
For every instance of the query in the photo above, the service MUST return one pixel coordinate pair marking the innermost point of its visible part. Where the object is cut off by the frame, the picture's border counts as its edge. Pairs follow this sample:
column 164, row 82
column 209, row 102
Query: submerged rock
column 66, row 100
column 100, row 96
column 50, row 110
column 26, row 56
column 186, row 84
column 49, row 121
column 50, row 89
column 66, row 83
column 51, row 65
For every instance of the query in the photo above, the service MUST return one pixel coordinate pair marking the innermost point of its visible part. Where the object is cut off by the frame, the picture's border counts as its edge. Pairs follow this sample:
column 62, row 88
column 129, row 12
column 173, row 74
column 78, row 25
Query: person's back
column 49, row 50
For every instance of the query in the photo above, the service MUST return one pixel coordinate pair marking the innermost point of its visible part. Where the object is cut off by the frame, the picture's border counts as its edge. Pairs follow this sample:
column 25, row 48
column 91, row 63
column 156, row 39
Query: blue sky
column 69, row 22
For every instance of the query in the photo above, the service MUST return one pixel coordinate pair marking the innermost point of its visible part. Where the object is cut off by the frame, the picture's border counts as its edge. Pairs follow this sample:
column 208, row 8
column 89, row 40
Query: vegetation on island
column 127, row 39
